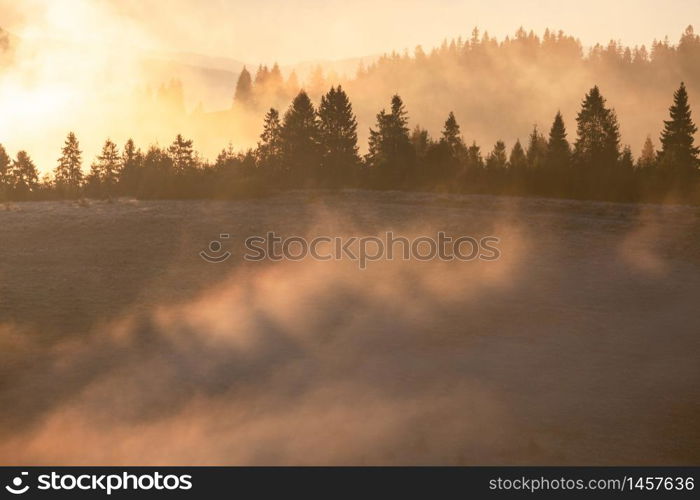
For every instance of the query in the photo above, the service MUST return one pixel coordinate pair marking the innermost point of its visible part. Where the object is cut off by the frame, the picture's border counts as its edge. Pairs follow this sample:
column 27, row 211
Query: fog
column 579, row 345
column 126, row 69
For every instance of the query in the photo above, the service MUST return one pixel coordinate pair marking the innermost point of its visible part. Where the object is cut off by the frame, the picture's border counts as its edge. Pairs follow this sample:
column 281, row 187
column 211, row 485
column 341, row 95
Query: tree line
column 317, row 147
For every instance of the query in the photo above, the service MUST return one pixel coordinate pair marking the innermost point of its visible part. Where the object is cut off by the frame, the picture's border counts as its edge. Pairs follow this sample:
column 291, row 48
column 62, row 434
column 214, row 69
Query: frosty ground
column 119, row 344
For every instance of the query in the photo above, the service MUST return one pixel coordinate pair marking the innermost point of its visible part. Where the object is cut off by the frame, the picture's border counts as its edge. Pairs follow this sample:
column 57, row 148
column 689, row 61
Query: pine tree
column 452, row 137
column 269, row 151
column 647, row 159
column 558, row 149
column 420, row 139
column 131, row 166
column 108, row 167
column 5, row 173
column 68, row 173
column 24, row 174
column 518, row 160
column 497, row 159
column 677, row 150
column 536, row 149
column 626, row 159
column 244, row 89
column 301, row 154
column 338, row 137
column 182, row 155
column 391, row 154
column 474, row 159
column 597, row 146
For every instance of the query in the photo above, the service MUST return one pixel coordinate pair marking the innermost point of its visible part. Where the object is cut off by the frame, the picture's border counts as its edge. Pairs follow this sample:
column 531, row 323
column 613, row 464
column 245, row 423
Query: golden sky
column 298, row 30
column 79, row 59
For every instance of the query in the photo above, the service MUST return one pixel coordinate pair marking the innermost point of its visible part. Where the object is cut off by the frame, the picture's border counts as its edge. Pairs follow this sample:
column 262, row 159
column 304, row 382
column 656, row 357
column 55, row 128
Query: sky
column 79, row 60
column 290, row 31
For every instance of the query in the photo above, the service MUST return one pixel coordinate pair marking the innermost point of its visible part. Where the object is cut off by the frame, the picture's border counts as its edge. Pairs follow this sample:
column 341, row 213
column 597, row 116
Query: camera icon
column 215, row 253
column 16, row 487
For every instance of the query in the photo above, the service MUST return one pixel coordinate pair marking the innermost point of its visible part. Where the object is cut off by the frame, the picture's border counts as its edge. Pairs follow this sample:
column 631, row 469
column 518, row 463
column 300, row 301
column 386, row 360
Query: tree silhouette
column 6, row 181
column 536, row 149
column 131, row 165
column 598, row 143
column 244, row 89
column 300, row 141
column 182, row 154
column 647, row 158
column 391, row 155
column 107, row 168
column 517, row 160
column 68, row 173
column 269, row 151
column 497, row 159
column 338, row 138
column 558, row 149
column 25, row 175
column 677, row 150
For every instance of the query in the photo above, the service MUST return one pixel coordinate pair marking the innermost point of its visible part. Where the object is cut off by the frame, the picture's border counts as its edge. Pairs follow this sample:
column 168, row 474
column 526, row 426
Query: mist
column 117, row 70
column 582, row 337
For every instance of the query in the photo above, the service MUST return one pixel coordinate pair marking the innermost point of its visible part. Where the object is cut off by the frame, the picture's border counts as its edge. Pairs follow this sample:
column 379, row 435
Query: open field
column 120, row 345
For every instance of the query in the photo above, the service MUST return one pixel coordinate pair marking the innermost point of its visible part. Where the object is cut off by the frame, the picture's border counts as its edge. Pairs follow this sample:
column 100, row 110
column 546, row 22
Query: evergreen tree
column 518, row 160
column 301, row 154
column 131, row 165
column 597, row 146
column 452, row 136
column 25, row 175
column 269, row 151
column 474, row 159
column 626, row 159
column 244, row 89
column 68, row 173
column 497, row 159
column 558, row 150
column 420, row 139
column 647, row 159
column 391, row 155
column 182, row 155
column 677, row 150
column 536, row 149
column 338, row 137
column 5, row 173
column 108, row 167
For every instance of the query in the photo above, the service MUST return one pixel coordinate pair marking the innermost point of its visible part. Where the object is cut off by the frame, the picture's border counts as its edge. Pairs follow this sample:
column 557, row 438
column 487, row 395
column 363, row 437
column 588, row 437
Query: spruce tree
column 68, row 173
column 182, row 155
column 647, row 158
column 677, row 149
column 391, row 154
column 474, row 159
column 269, row 151
column 420, row 139
column 597, row 146
column 5, row 173
column 558, row 149
column 536, row 149
column 244, row 89
column 626, row 159
column 518, row 160
column 130, row 171
column 497, row 159
column 338, row 137
column 24, row 174
column 108, row 166
column 301, row 154
column 452, row 136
